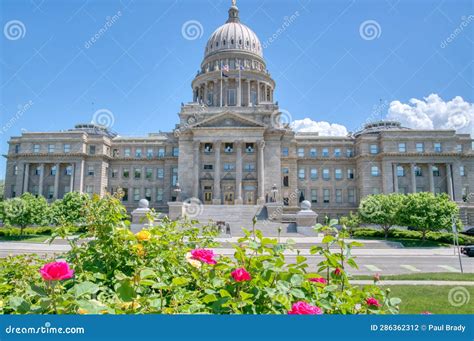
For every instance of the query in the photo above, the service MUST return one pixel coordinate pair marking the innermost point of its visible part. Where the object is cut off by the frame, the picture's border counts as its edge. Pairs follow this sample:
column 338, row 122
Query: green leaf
column 297, row 293
column 180, row 281
column 245, row 295
column 283, row 300
column 296, row 280
column 395, row 301
column 147, row 273
column 147, row 282
column 85, row 288
column 209, row 298
column 331, row 288
column 327, row 239
column 125, row 291
column 224, row 293
column 19, row 305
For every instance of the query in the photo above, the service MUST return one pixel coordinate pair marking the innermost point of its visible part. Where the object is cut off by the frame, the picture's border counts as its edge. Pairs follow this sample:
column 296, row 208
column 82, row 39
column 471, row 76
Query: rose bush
column 171, row 268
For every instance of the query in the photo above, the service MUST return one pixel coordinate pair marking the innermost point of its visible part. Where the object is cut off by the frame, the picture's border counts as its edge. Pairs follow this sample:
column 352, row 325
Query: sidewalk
column 413, row 282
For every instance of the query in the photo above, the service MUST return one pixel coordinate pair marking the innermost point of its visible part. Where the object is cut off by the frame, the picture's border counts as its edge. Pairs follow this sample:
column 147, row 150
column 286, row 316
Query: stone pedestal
column 306, row 220
column 139, row 215
column 175, row 210
column 275, row 210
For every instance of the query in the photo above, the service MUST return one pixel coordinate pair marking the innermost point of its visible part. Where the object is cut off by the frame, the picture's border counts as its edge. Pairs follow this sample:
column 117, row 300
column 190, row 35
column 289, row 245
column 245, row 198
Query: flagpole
column 221, row 83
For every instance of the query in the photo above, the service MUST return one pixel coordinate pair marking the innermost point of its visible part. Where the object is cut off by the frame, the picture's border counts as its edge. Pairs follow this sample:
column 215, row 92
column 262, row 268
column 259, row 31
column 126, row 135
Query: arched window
column 232, row 41
column 224, row 42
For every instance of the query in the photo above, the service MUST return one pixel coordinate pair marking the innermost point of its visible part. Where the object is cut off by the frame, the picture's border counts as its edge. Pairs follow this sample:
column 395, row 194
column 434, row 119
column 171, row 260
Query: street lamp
column 274, row 191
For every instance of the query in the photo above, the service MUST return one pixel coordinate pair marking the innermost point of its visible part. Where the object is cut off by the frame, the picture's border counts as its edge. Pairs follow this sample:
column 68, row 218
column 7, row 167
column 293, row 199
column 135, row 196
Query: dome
column 234, row 36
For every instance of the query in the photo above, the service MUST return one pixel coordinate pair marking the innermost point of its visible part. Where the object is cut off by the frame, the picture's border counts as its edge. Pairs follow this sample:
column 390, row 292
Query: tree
column 350, row 222
column 382, row 209
column 428, row 212
column 25, row 211
column 70, row 210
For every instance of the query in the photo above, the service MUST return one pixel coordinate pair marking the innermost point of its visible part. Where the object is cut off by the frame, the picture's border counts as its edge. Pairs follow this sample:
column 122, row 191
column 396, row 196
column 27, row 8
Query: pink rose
column 372, row 302
column 426, row 313
column 205, row 256
column 241, row 275
column 56, row 271
column 303, row 308
column 318, row 280
column 337, row 272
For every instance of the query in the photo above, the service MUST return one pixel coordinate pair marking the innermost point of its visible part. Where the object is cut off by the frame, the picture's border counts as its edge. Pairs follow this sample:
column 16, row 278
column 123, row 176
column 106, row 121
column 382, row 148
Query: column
column 238, row 173
column 71, row 181
column 265, row 98
column 413, row 178
column 226, row 86
column 430, row 178
column 239, row 92
column 196, row 148
column 56, row 181
column 80, row 175
column 249, row 101
column 395, row 177
column 26, row 178
column 261, row 173
column 258, row 92
column 41, row 179
column 205, row 94
column 449, row 178
column 216, row 200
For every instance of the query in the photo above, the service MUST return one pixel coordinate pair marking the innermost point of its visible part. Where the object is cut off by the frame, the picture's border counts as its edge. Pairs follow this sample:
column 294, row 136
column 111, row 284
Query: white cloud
column 434, row 113
column 324, row 128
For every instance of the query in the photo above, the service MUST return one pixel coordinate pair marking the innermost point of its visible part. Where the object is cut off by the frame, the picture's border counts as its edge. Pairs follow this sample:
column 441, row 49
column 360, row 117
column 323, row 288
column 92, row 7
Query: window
column 437, row 147
column 15, row 170
column 249, row 148
column 284, row 151
column 300, row 152
column 314, row 195
column 301, row 174
column 126, row 173
column 337, row 152
column 400, row 171
column 462, row 171
column 339, row 196
column 420, row 189
column 374, row 171
column 459, row 148
column 148, row 194
column 338, row 174
column 67, row 148
column 38, row 171
column 349, row 152
column 229, row 167
column 90, row 170
column 92, row 150
column 51, row 148
column 286, row 179
column 250, row 167
column 125, row 194
column 161, row 152
column 313, row 152
column 326, row 196
column 114, row 173
column 375, row 190
column 402, row 147
column 160, row 173
column 351, row 195
column 418, row 171
column 420, row 147
column 115, row 153
column 174, row 176
column 36, row 148
column 374, row 149
column 350, row 173
column 207, row 148
column 149, row 174
column 208, row 167
column 159, row 194
column 137, row 173
column 90, row 189
column 435, row 171
column 138, row 152
column 68, row 170
column 228, row 147
column 231, row 97
column 325, row 152
column 175, row 151
column 149, row 153
column 314, row 173
column 127, row 152
column 50, row 193
column 53, row 170
column 136, row 194
column 67, row 189
column 17, row 148
column 326, row 175
column 34, row 189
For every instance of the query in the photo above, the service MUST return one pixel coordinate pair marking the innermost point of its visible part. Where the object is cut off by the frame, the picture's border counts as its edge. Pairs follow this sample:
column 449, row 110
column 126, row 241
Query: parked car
column 468, row 250
column 469, row 232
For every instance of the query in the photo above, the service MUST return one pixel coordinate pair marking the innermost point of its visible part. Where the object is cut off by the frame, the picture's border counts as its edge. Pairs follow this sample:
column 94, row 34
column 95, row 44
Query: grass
column 408, row 242
column 30, row 238
column 434, row 298
column 433, row 276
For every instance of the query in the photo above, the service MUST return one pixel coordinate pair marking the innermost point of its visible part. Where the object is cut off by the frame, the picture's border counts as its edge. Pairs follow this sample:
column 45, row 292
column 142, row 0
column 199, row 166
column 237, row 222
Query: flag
column 225, row 68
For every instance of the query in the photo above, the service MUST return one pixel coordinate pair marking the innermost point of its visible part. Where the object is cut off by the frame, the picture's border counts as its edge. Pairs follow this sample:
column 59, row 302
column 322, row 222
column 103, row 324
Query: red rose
column 426, row 313
column 56, row 271
column 241, row 275
column 337, row 272
column 372, row 302
column 205, row 256
column 303, row 308
column 318, row 280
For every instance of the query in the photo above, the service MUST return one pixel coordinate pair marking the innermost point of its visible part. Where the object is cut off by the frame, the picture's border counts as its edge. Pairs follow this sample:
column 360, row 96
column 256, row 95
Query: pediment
column 228, row 120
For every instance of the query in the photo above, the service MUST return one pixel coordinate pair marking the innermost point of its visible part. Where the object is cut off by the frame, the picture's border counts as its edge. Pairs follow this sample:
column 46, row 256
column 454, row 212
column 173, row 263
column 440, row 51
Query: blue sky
column 141, row 67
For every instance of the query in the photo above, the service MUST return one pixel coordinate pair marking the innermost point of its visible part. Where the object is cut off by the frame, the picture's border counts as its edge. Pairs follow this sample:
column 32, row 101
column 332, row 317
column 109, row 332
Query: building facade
column 232, row 147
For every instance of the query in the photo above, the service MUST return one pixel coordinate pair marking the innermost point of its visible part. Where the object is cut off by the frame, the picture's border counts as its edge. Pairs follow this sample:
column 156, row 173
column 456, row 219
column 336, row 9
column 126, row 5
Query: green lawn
column 434, row 276
column 407, row 242
column 432, row 298
column 25, row 238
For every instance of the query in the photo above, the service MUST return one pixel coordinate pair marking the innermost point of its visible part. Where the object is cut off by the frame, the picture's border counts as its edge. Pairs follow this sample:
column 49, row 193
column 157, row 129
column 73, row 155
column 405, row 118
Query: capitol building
column 232, row 147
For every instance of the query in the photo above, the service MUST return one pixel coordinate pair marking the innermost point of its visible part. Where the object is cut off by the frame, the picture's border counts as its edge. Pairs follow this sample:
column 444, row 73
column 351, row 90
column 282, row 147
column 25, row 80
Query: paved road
column 370, row 260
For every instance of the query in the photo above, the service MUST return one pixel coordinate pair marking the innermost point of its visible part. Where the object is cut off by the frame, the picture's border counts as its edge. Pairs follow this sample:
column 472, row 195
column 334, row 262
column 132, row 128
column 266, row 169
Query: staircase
column 241, row 216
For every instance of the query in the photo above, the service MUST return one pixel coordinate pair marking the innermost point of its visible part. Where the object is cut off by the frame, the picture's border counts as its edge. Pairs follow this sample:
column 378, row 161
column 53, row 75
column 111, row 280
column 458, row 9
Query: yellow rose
column 81, row 311
column 138, row 248
column 194, row 262
column 143, row 235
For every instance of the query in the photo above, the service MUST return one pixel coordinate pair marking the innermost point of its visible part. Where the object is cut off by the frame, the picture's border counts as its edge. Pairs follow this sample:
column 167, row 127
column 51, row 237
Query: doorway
column 228, row 198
